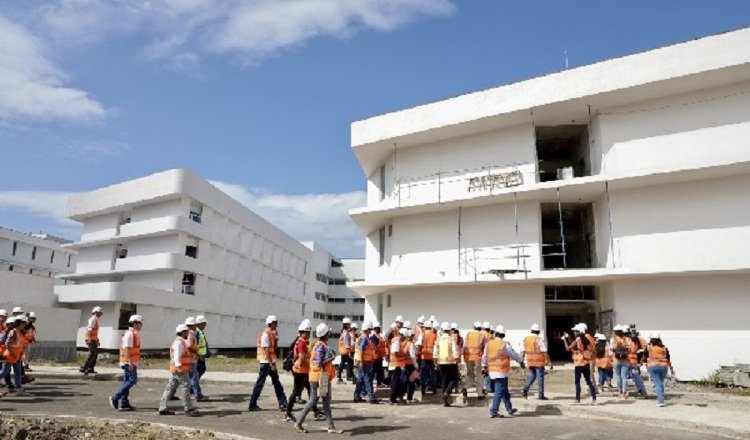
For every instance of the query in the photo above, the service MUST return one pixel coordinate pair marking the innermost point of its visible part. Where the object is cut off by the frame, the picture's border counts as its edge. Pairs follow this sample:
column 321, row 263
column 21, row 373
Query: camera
column 633, row 331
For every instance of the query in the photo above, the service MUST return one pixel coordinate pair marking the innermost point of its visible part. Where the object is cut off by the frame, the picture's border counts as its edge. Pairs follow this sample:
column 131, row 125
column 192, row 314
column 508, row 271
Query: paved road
column 226, row 413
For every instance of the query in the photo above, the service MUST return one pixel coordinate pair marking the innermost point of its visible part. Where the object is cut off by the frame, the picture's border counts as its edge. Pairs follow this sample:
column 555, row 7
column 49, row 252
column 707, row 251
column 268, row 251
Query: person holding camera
column 582, row 350
column 635, row 357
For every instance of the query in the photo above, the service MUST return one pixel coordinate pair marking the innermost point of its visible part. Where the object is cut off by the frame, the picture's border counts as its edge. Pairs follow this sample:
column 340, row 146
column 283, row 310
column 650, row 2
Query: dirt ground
column 15, row 428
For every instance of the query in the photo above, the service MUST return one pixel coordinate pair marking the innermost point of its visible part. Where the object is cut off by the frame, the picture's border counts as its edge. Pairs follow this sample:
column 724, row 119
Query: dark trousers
column 364, row 382
column 346, row 362
column 410, row 385
column 379, row 371
column 396, row 383
column 584, row 371
column 201, row 367
column 265, row 371
column 427, row 375
column 301, row 382
column 449, row 373
column 93, row 354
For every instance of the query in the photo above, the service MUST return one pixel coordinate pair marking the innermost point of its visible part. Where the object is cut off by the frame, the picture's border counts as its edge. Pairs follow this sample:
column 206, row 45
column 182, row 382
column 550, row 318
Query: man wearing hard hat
column 200, row 366
column 496, row 363
column 267, row 342
column 535, row 353
column 92, row 341
column 180, row 364
column 130, row 359
column 346, row 350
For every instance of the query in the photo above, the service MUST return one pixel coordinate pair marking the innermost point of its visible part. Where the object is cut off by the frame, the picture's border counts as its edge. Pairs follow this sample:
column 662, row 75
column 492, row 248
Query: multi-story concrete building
column 172, row 245
column 617, row 192
column 29, row 265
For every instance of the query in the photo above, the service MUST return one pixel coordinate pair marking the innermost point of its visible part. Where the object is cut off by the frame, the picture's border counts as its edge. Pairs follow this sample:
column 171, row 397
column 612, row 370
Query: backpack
column 601, row 349
column 288, row 363
column 621, row 352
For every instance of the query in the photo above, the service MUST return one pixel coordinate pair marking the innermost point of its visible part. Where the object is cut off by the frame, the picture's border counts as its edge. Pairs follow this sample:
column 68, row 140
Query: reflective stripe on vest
column 473, row 349
column 497, row 360
column 266, row 354
column 534, row 357
column 316, row 370
column 202, row 343
column 185, row 358
column 445, row 350
column 428, row 345
column 398, row 358
column 133, row 353
column 657, row 356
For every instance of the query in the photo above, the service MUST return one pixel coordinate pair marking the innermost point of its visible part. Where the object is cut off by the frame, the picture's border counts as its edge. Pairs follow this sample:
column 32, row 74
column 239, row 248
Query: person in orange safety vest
column 130, row 359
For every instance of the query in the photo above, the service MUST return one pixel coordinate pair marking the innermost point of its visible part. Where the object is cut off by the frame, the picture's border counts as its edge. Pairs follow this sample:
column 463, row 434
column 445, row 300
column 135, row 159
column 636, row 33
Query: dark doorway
column 568, row 236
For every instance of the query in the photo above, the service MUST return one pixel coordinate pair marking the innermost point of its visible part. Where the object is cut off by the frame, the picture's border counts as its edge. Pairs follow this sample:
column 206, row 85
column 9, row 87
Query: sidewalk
column 714, row 413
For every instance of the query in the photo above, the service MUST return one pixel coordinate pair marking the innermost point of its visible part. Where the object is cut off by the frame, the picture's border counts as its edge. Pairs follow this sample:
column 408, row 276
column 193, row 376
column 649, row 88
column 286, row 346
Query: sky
column 258, row 96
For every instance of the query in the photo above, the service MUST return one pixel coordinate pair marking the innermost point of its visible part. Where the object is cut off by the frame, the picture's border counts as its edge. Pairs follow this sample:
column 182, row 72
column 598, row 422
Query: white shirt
column 395, row 348
column 127, row 342
column 413, row 354
column 265, row 342
column 177, row 347
column 93, row 322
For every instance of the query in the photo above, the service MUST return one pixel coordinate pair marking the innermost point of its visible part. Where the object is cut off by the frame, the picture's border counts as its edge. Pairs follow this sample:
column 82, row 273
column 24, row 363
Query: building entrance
column 566, row 306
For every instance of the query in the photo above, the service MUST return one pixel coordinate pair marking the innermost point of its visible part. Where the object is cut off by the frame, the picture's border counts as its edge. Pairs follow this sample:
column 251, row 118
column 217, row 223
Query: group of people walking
column 17, row 335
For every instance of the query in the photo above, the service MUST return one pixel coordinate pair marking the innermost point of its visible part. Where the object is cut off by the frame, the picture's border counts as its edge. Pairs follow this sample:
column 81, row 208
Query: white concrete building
column 617, row 192
column 29, row 265
column 172, row 245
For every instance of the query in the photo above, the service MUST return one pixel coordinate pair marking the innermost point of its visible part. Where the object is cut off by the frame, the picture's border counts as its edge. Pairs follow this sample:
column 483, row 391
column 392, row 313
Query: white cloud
column 32, row 86
column 180, row 30
column 47, row 204
column 321, row 217
column 94, row 150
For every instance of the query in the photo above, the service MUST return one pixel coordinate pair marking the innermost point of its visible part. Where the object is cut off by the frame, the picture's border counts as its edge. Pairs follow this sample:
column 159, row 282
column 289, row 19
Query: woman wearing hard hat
column 658, row 361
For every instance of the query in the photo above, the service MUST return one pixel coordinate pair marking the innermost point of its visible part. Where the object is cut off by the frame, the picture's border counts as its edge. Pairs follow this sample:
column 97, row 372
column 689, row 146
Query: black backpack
column 621, row 352
column 288, row 363
column 601, row 349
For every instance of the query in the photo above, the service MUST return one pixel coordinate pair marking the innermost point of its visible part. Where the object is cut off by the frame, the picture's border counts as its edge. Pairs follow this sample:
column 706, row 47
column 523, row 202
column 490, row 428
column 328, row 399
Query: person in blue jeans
column 266, row 352
column 130, row 358
column 496, row 365
column 536, row 356
column 621, row 346
column 659, row 364
column 15, row 345
column 367, row 346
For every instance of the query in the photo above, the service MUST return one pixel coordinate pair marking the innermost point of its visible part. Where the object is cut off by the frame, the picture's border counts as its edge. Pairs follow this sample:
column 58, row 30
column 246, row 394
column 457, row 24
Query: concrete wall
column 700, row 318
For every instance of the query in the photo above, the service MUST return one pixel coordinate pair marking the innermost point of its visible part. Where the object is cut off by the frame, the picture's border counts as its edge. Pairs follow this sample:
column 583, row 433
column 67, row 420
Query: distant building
column 29, row 265
column 171, row 245
column 617, row 192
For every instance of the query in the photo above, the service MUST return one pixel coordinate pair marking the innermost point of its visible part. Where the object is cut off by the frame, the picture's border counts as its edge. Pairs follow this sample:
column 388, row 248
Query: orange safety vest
column 14, row 350
column 398, row 358
column 534, row 356
column 185, row 358
column 633, row 353
column 369, row 353
column 30, row 335
column 604, row 363
column 92, row 334
column 133, row 353
column 316, row 370
column 266, row 354
column 658, row 356
column 473, row 348
column 581, row 356
column 497, row 360
column 193, row 345
column 382, row 349
column 405, row 347
column 302, row 364
column 3, row 330
column 343, row 348
column 428, row 345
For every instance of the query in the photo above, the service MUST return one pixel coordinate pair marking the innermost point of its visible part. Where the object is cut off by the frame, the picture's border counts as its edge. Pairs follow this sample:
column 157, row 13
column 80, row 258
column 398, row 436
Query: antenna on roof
column 565, row 53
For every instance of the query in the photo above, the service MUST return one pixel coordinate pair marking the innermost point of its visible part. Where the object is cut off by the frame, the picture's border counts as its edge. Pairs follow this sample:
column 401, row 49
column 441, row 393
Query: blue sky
column 258, row 95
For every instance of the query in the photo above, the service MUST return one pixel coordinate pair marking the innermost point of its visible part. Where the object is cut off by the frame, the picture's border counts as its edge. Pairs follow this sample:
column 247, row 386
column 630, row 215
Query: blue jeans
column 364, row 382
column 585, row 372
column 195, row 377
column 658, row 374
column 129, row 379
column 635, row 373
column 534, row 374
column 17, row 372
column 265, row 371
column 621, row 371
column 500, row 390
column 427, row 375
column 605, row 376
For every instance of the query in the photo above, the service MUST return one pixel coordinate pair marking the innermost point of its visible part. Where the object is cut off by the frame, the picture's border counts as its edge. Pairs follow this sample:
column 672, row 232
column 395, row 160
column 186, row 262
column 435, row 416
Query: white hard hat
column 11, row 320
column 500, row 329
column 181, row 328
column 22, row 318
column 346, row 321
column 435, row 325
column 354, row 325
column 135, row 318
column 577, row 328
column 404, row 332
column 433, row 318
column 407, row 324
column 420, row 320
column 200, row 319
column 583, row 327
column 190, row 320
column 654, row 335
column 454, row 326
column 321, row 330
column 18, row 309
column 445, row 326
column 486, row 324
column 3, row 312
column 535, row 327
column 305, row 326
column 399, row 318
column 366, row 325
column 32, row 314
column 96, row 309
column 618, row 328
column 600, row 337
column 477, row 324
column 271, row 319
column 376, row 324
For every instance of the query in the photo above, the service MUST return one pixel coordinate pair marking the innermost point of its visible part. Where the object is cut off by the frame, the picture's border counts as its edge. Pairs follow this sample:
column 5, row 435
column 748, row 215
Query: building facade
column 29, row 265
column 617, row 192
column 171, row 245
